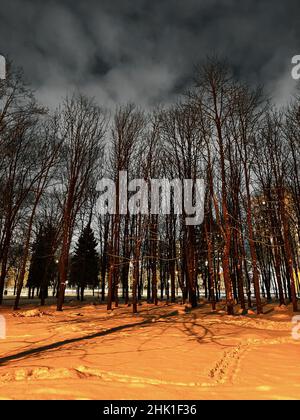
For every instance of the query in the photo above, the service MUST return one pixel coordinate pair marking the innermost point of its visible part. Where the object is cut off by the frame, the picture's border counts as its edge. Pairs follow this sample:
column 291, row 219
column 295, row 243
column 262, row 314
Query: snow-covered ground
column 161, row 353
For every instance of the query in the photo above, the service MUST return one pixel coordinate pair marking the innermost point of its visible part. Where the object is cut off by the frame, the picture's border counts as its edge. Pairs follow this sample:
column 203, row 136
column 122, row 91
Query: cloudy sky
column 145, row 50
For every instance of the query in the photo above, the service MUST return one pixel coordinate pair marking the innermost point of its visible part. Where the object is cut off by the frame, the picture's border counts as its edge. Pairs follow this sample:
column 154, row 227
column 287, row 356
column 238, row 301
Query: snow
column 162, row 352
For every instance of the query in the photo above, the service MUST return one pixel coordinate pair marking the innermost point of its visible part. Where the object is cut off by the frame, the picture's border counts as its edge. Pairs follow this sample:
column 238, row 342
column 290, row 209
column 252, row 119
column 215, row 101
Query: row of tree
column 220, row 130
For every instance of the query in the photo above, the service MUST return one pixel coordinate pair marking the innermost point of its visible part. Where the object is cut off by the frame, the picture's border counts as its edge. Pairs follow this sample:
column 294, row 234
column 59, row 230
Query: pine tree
column 85, row 267
column 42, row 266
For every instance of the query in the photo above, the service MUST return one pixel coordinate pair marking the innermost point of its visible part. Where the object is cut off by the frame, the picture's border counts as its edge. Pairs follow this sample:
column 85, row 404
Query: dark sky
column 145, row 50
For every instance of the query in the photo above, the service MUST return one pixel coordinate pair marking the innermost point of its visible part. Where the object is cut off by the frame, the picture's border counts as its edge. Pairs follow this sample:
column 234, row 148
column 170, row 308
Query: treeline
column 221, row 130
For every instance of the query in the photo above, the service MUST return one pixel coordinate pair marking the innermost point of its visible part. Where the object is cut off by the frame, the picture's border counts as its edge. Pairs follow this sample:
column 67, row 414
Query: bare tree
column 82, row 129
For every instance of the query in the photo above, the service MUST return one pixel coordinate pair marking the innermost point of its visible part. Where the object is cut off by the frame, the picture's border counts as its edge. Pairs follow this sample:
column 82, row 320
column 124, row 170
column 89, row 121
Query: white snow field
column 163, row 352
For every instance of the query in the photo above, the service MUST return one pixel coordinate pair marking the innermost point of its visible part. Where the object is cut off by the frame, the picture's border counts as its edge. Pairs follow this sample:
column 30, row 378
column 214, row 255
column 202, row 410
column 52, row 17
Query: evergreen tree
column 84, row 266
column 42, row 266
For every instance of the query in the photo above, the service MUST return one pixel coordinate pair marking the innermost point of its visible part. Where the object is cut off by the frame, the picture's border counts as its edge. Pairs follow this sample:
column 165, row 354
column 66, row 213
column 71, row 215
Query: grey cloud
column 120, row 50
